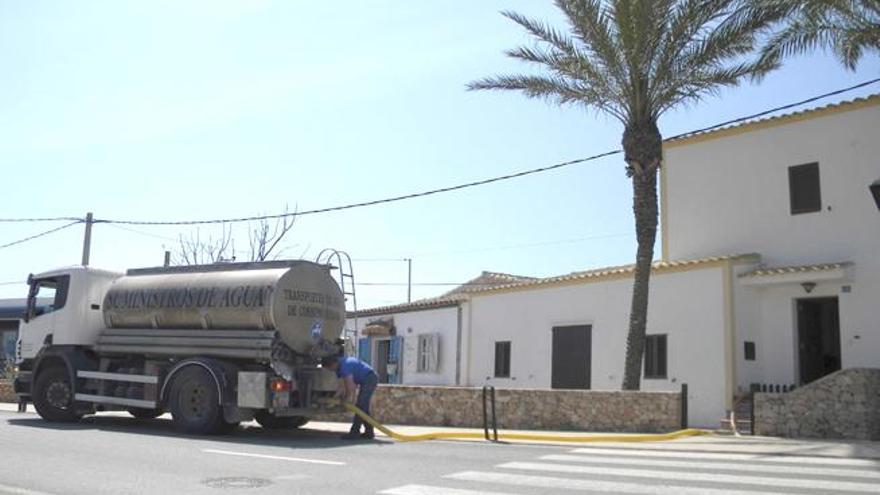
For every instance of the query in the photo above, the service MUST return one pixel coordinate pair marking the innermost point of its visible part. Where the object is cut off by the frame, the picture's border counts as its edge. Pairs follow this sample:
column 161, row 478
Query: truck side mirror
column 31, row 299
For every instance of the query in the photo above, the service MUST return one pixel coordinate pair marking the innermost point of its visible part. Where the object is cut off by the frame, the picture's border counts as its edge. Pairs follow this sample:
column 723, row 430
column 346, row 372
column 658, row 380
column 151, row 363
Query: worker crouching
column 356, row 379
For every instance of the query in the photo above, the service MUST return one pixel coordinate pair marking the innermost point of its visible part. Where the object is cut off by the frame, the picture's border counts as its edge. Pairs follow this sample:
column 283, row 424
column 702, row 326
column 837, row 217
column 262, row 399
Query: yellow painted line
column 657, row 437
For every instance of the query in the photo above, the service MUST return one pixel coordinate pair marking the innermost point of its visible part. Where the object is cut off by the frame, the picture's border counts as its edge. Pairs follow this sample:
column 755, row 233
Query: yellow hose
column 690, row 432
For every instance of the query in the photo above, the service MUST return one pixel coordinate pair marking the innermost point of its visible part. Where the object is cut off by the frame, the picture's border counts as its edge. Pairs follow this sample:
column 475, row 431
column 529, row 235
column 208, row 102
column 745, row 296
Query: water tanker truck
column 214, row 345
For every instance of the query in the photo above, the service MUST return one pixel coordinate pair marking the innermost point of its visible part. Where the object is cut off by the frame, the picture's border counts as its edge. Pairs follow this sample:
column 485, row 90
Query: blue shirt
column 358, row 369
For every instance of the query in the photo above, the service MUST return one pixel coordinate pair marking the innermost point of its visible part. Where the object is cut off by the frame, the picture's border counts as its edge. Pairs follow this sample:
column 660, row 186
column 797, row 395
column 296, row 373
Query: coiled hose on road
column 438, row 435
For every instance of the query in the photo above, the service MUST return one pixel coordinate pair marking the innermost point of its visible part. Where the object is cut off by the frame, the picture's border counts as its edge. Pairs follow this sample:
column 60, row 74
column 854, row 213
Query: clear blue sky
column 199, row 109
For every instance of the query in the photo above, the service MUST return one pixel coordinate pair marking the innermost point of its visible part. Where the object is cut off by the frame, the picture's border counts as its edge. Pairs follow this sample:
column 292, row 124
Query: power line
column 43, row 219
column 368, row 203
column 41, row 234
column 141, row 232
column 777, row 109
column 458, row 186
column 492, row 179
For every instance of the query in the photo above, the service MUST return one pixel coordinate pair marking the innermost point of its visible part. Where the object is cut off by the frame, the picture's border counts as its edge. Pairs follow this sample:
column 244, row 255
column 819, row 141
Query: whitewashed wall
column 442, row 321
column 688, row 306
column 748, row 318
column 731, row 195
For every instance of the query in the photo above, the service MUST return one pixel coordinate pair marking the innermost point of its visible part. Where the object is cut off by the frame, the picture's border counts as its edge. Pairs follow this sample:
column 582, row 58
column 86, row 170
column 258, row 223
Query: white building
column 420, row 343
column 769, row 271
column 795, row 190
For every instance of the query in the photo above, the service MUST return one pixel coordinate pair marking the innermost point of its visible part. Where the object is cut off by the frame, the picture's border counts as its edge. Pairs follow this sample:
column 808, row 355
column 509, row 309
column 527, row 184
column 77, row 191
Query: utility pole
column 408, row 280
column 87, row 240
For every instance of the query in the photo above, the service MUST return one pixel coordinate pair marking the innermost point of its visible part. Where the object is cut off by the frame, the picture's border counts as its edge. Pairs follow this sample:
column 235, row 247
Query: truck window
column 54, row 289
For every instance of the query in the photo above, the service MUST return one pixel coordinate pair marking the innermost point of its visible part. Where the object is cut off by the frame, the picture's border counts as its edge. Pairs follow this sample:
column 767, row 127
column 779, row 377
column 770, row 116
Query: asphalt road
column 113, row 454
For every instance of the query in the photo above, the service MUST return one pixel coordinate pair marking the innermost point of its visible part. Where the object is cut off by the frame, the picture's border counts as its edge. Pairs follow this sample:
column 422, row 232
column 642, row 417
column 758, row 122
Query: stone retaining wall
column 845, row 404
column 529, row 409
column 6, row 393
column 532, row 409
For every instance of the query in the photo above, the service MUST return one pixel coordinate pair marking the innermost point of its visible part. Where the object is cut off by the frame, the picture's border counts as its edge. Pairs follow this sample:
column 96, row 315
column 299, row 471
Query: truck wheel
column 145, row 413
column 53, row 396
column 270, row 422
column 195, row 406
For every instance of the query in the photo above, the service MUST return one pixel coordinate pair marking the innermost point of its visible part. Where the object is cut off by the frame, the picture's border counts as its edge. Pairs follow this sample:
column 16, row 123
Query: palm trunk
column 642, row 145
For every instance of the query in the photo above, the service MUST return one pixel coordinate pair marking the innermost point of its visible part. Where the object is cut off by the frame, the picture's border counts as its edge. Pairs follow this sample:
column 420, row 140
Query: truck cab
column 72, row 318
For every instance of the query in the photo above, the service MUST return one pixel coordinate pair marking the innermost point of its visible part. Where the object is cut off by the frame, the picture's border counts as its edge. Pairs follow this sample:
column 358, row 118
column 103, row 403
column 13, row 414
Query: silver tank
column 302, row 302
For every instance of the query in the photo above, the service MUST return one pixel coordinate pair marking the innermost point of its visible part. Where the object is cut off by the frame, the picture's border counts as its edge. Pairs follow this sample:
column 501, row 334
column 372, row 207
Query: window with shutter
column 434, row 364
column 749, row 350
column 502, row 359
column 427, row 353
column 803, row 188
column 655, row 356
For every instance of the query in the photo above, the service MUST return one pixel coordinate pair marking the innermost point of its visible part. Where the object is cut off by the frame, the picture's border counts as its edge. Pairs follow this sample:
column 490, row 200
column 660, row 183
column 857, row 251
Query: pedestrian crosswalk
column 656, row 471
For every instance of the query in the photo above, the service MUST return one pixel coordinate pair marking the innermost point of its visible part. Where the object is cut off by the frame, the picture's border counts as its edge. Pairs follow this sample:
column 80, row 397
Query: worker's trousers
column 365, row 395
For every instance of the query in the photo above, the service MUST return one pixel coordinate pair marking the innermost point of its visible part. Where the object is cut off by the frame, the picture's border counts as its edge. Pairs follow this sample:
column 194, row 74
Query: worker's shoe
column 352, row 435
column 369, row 434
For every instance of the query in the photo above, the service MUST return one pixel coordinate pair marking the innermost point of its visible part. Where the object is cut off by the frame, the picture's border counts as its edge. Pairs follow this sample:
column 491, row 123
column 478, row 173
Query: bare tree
column 265, row 238
column 195, row 250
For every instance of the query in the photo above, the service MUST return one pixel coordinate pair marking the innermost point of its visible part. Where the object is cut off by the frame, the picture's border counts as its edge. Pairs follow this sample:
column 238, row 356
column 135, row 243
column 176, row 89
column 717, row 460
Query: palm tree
column 847, row 27
column 635, row 60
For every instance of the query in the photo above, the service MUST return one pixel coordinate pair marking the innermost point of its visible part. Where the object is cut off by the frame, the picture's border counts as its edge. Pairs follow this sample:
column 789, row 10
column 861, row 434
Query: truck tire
column 194, row 403
column 270, row 422
column 53, row 396
column 145, row 413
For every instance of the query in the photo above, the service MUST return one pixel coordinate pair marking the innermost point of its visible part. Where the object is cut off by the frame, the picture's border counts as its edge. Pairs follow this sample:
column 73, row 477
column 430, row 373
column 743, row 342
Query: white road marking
column 816, row 484
column 595, row 485
column 276, row 457
column 780, row 458
column 14, row 490
column 729, row 466
column 435, row 490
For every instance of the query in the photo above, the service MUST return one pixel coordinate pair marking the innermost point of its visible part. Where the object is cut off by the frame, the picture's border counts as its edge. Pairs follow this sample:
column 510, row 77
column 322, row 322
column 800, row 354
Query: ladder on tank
column 346, row 282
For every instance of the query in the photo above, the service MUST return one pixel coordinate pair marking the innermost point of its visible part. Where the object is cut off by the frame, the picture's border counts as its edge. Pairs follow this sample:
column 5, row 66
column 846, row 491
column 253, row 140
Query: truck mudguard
column 224, row 375
column 73, row 358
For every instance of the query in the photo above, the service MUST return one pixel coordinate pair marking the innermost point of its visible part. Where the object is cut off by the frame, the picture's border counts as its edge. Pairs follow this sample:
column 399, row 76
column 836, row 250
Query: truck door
column 45, row 297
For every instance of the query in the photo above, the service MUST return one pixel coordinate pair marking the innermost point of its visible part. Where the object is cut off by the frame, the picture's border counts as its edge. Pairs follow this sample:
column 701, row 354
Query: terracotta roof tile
column 769, row 271
column 658, row 266
column 421, row 304
column 489, row 282
column 759, row 123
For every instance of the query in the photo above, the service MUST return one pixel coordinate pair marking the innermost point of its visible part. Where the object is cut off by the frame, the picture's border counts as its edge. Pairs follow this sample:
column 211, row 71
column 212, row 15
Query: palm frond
column 591, row 24
column 846, row 27
column 571, row 66
column 636, row 59
column 557, row 90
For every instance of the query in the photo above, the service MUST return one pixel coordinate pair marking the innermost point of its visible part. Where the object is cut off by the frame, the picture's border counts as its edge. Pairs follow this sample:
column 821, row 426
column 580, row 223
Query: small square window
column 655, row 356
column 803, row 188
column 502, row 359
column 749, row 350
